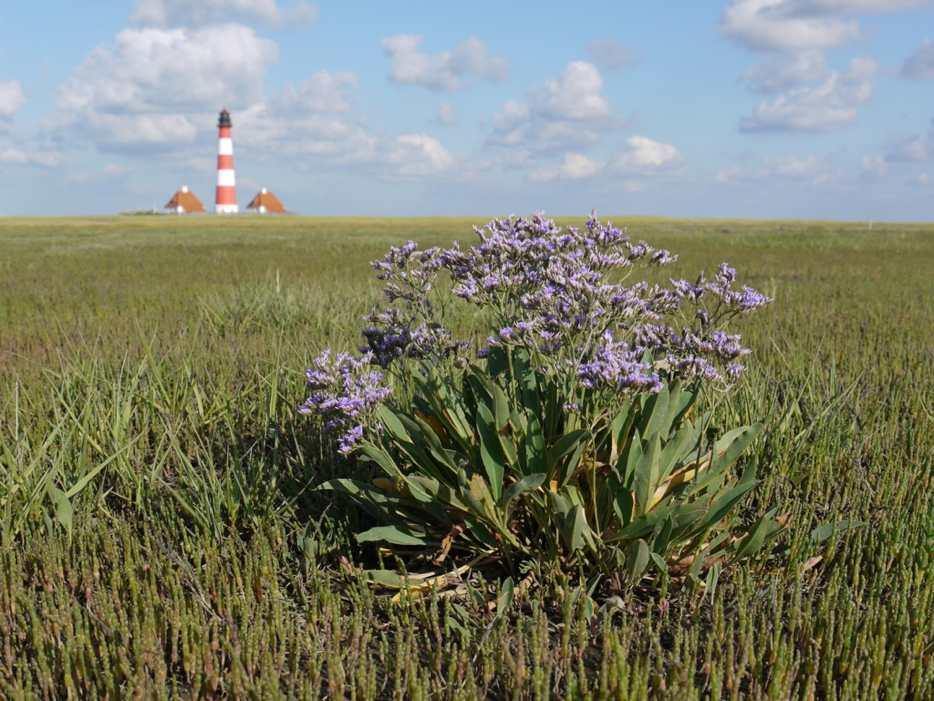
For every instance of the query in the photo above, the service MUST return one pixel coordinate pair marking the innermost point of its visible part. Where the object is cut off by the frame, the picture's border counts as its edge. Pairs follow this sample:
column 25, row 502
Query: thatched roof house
column 184, row 202
column 266, row 203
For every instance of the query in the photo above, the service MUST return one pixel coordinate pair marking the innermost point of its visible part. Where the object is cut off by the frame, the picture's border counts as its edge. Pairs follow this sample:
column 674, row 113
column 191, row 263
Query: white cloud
column 565, row 114
column 185, row 13
column 798, row 25
column 786, row 71
column 577, row 94
column 874, row 167
column 914, row 149
column 923, row 180
column 14, row 155
column 644, row 155
column 575, row 166
column 445, row 71
column 920, row 65
column 810, row 169
column 322, row 92
column 829, row 104
column 152, row 87
column 418, row 155
column 775, row 25
column 609, row 54
column 446, row 116
column 11, row 98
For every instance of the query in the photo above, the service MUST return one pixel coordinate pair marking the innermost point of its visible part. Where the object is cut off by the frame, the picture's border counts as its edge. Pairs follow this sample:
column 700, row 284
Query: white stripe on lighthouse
column 226, row 209
column 226, row 178
column 225, row 146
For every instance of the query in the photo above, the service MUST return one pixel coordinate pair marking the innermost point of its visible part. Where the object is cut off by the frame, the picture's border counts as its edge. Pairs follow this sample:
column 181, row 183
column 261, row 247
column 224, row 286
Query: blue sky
column 746, row 108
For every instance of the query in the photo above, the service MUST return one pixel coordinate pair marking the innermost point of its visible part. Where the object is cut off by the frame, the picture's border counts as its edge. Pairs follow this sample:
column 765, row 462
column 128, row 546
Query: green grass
column 149, row 368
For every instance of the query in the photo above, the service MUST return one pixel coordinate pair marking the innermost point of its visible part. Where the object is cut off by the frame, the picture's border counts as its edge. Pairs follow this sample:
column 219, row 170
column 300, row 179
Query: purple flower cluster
column 344, row 391
column 620, row 366
column 721, row 289
column 559, row 294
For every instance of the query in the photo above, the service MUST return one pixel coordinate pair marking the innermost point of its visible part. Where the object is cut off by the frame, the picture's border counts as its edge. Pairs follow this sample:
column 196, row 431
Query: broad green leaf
column 64, row 513
column 646, row 475
column 619, row 430
column 576, row 528
column 391, row 534
column 679, row 401
column 500, row 407
column 765, row 529
column 638, row 559
column 504, row 600
column 497, row 361
column 633, row 456
column 655, row 415
column 386, row 578
column 388, row 465
column 527, row 483
column 491, row 453
column 566, row 444
column 392, row 423
column 623, row 505
column 712, row 578
column 824, row 531
column 726, row 502
column 660, row 544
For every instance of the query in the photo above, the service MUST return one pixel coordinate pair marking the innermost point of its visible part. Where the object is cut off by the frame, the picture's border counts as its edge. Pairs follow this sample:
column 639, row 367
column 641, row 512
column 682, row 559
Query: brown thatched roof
column 268, row 200
column 186, row 200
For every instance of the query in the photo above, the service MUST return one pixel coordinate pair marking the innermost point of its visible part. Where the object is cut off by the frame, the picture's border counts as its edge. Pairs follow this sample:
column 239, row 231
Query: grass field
column 159, row 537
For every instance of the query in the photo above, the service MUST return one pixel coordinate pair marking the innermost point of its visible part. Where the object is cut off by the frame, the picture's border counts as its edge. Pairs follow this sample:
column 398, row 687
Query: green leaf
column 392, row 423
column 491, row 453
column 645, row 478
column 64, row 513
column 391, row 534
column 500, row 407
column 824, row 531
column 497, row 361
column 576, row 528
column 659, row 562
column 386, row 578
column 633, row 456
column 622, row 505
column 677, row 448
column 638, row 559
column 726, row 502
column 388, row 465
column 504, row 600
column 619, row 430
column 679, row 401
column 655, row 416
column 713, row 576
column 664, row 536
column 527, row 483
column 765, row 528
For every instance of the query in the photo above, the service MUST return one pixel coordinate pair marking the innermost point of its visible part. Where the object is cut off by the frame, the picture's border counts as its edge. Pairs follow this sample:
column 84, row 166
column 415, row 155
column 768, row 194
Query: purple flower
column 344, row 391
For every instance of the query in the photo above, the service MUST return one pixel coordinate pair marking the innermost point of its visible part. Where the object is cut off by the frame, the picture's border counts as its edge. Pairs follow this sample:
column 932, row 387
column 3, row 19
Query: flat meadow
column 160, row 536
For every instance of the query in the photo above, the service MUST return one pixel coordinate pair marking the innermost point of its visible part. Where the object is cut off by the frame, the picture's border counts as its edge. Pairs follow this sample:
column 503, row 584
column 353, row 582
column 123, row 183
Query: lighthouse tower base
column 226, row 209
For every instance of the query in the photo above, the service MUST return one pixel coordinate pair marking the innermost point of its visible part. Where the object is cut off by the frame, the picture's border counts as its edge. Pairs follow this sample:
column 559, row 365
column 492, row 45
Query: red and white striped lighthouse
column 226, row 200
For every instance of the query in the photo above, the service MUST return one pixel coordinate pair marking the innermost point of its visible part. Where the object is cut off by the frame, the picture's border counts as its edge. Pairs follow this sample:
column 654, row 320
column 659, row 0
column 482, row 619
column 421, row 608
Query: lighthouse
column 226, row 200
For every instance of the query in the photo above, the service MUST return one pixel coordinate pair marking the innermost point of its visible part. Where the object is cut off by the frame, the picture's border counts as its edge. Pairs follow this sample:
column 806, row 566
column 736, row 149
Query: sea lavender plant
column 564, row 435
